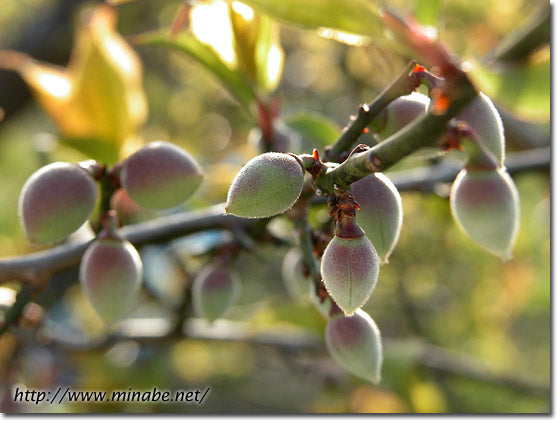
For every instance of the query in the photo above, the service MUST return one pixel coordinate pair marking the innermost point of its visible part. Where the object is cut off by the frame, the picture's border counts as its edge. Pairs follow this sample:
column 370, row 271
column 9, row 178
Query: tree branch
column 425, row 132
column 424, row 354
column 32, row 267
column 404, row 84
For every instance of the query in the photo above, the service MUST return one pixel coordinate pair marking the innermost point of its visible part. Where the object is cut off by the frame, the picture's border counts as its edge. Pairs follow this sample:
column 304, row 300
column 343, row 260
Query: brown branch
column 50, row 262
column 430, row 356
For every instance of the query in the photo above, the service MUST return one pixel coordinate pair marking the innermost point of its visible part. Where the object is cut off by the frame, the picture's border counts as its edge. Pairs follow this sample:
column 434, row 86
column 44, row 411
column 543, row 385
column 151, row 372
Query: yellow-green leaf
column 354, row 16
column 204, row 54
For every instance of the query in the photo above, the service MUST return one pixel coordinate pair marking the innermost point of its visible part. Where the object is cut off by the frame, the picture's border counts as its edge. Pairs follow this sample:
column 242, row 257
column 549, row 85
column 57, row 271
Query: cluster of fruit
column 483, row 200
column 61, row 197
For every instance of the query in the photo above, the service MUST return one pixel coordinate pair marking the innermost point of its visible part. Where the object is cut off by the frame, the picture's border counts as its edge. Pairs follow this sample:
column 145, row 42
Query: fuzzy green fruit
column 160, row 176
column 55, row 201
column 110, row 276
column 484, row 119
column 350, row 268
column 485, row 203
column 214, row 290
column 380, row 214
column 267, row 185
column 399, row 113
column 355, row 343
column 295, row 282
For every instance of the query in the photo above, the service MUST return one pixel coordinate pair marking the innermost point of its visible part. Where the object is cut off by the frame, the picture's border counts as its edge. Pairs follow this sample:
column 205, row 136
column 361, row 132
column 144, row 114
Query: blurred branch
column 524, row 39
column 44, row 264
column 430, row 356
column 13, row 314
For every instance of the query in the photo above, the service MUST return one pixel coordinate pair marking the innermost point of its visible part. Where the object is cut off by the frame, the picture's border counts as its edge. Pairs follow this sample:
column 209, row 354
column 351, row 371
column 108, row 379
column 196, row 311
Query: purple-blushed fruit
column 267, row 185
column 160, row 175
column 294, row 279
column 214, row 290
column 485, row 203
column 355, row 343
column 350, row 267
column 55, row 201
column 110, row 276
column 380, row 214
column 399, row 113
column 483, row 118
column 284, row 139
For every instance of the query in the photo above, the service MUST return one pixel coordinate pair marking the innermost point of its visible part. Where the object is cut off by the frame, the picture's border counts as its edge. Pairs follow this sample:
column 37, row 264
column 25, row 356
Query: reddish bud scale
column 355, row 343
column 160, row 176
column 110, row 276
column 214, row 290
column 55, row 201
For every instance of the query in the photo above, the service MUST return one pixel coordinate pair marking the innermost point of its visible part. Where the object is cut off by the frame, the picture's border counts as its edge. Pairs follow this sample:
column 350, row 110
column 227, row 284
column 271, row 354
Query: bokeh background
column 463, row 331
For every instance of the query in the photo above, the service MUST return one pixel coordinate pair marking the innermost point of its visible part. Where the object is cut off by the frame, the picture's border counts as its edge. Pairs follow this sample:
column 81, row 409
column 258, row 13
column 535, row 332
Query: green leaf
column 316, row 130
column 257, row 47
column 204, row 54
column 354, row 16
column 427, row 12
column 269, row 56
column 522, row 88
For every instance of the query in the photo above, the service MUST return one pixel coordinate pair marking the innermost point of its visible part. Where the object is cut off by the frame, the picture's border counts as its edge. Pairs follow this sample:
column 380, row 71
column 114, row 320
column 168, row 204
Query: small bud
column 214, row 290
column 350, row 267
column 483, row 118
column 55, row 201
column 380, row 214
column 110, row 275
column 485, row 203
column 399, row 113
column 295, row 282
column 355, row 343
column 160, row 176
column 267, row 185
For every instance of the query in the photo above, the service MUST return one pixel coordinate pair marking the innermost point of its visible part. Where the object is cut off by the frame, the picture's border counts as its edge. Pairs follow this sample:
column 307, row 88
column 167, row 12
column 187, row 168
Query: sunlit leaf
column 98, row 100
column 204, row 54
column 257, row 46
column 522, row 88
column 352, row 16
column 315, row 128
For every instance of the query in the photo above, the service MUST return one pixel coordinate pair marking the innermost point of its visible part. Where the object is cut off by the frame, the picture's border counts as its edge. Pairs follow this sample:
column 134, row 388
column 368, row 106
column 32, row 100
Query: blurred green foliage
column 439, row 288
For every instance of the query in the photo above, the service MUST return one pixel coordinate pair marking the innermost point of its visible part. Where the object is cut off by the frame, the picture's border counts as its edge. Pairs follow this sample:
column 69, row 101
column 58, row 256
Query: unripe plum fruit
column 350, row 268
column 399, row 113
column 267, row 185
column 214, row 290
column 296, row 283
column 160, row 176
column 380, row 214
column 55, row 201
column 485, row 204
column 483, row 118
column 110, row 276
column 355, row 343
